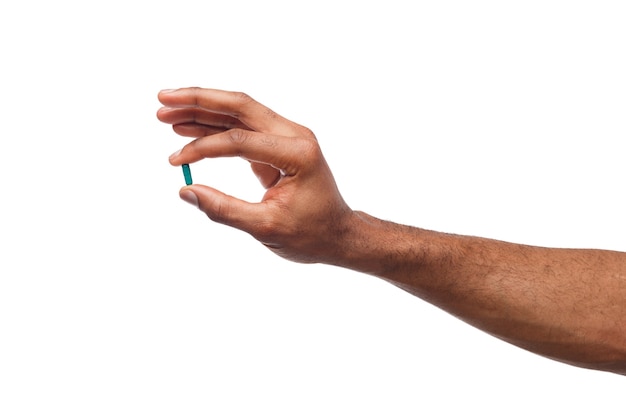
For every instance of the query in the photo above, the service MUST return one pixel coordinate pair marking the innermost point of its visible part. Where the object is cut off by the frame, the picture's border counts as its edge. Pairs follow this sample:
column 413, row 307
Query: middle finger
column 177, row 116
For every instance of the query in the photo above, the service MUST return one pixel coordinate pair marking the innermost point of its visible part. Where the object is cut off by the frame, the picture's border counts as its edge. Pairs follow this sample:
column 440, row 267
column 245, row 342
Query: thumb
column 189, row 196
column 220, row 207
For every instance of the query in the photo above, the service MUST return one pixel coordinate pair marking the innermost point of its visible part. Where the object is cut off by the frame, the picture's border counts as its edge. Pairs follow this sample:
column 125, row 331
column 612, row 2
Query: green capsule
column 187, row 174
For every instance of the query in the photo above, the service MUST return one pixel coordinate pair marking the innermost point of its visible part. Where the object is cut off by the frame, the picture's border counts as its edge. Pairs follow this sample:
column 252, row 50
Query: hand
column 302, row 216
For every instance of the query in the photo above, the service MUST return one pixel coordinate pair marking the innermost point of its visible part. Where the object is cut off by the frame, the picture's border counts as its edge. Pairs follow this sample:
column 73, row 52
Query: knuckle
column 219, row 212
column 268, row 141
column 195, row 147
column 196, row 92
column 243, row 98
column 309, row 150
column 238, row 136
column 269, row 113
column 307, row 133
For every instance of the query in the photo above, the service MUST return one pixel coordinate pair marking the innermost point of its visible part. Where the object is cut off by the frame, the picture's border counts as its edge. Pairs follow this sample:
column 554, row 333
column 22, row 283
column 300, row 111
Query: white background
column 491, row 118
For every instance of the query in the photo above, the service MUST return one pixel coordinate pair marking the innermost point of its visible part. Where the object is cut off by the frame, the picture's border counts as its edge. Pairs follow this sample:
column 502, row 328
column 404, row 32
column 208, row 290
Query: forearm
column 566, row 304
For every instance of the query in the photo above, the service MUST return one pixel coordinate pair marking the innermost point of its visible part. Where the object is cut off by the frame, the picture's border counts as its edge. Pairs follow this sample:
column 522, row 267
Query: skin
column 565, row 304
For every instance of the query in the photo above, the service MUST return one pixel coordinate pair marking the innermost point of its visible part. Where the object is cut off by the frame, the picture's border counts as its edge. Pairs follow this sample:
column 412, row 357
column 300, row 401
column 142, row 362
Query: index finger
column 288, row 155
column 234, row 104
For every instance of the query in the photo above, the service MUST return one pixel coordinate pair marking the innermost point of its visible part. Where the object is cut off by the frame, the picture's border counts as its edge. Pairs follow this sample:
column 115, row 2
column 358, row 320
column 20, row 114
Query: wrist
column 381, row 248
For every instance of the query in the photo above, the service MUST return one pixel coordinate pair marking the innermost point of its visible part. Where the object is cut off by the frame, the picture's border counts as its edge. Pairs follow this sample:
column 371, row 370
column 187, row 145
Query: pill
column 187, row 174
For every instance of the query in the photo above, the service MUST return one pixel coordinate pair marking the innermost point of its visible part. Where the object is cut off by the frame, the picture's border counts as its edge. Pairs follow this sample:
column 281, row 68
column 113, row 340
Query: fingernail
column 175, row 154
column 190, row 197
column 167, row 90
